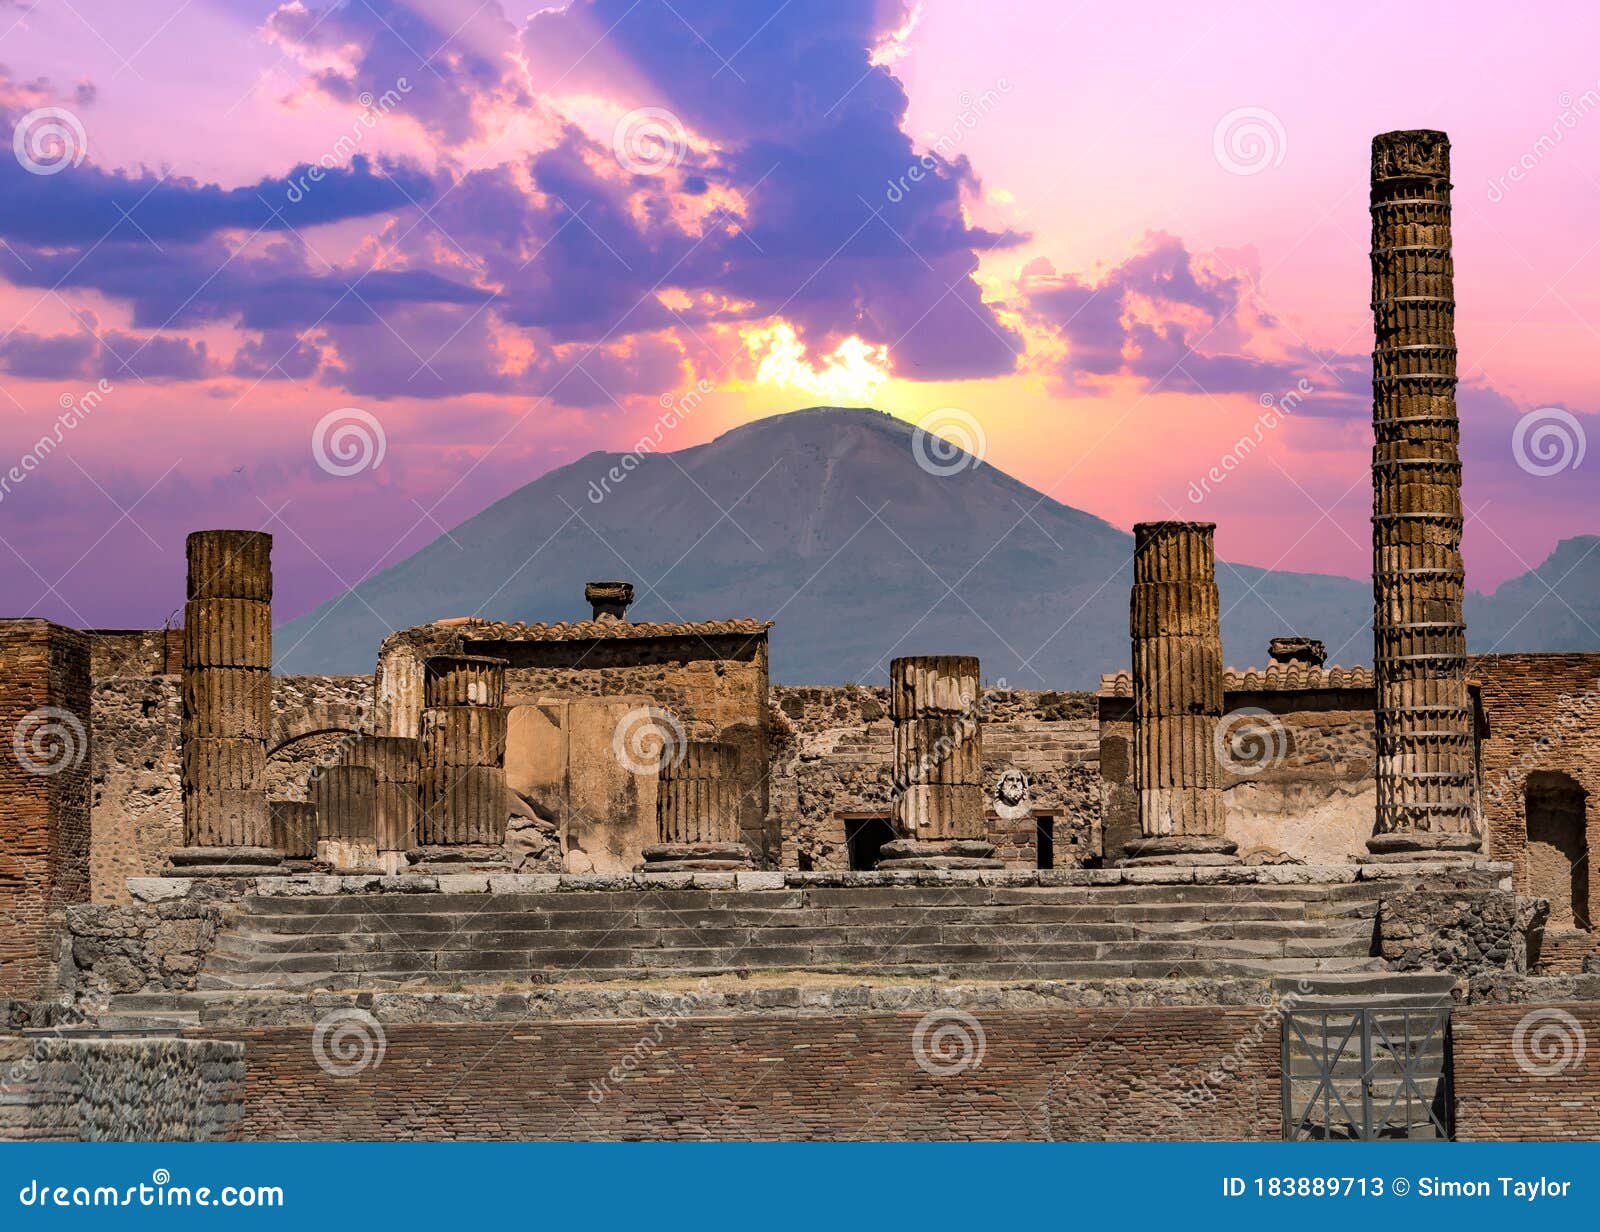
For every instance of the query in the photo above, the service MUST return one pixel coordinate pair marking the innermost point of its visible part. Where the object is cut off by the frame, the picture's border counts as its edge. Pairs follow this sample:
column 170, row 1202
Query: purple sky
column 239, row 238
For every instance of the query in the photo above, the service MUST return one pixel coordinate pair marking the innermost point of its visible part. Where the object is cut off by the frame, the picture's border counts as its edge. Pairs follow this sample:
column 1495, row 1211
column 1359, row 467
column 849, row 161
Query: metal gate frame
column 1385, row 1053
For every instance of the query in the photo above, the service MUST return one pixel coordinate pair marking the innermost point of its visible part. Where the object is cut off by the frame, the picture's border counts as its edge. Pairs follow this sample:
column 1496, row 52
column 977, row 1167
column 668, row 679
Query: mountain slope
column 823, row 521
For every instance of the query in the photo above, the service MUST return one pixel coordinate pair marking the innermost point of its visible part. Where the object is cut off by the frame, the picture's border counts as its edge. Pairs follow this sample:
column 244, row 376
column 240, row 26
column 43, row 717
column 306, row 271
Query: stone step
column 1082, row 970
column 848, row 897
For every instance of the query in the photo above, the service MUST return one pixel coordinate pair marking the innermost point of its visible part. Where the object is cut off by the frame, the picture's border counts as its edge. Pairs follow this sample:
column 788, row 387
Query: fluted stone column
column 396, row 763
column 1424, row 718
column 347, row 818
column 227, row 705
column 1177, row 695
column 936, row 799
column 294, row 830
column 697, row 811
column 465, row 802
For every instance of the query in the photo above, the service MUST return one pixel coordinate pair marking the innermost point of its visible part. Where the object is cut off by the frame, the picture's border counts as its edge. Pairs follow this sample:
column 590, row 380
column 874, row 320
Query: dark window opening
column 1045, row 841
column 865, row 837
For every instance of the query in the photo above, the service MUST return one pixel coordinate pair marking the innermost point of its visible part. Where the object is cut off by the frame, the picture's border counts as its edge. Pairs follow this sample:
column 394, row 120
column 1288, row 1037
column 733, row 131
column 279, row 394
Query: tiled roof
column 601, row 630
column 1288, row 677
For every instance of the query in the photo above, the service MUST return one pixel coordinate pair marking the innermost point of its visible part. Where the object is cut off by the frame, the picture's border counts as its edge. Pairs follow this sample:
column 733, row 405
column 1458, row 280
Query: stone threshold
column 1478, row 873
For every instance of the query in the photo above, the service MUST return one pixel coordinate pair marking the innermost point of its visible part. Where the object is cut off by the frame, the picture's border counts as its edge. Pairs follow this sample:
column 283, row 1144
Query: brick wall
column 45, row 725
column 1529, row 699
column 833, row 750
column 1067, row 1074
column 1527, row 1072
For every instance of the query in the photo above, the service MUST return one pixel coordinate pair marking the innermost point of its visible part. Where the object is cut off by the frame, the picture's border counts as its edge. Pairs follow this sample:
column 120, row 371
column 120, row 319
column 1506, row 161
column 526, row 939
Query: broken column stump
column 1425, row 773
column 697, row 811
column 396, row 764
column 461, row 775
column 294, row 831
column 1177, row 693
column 345, row 798
column 227, row 706
column 936, row 797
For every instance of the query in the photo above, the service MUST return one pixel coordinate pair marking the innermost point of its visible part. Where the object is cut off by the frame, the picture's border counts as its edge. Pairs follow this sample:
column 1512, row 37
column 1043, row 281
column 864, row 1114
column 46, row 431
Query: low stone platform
column 1481, row 873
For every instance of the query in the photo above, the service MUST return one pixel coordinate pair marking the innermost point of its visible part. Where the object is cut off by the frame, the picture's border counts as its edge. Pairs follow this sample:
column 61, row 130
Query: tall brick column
column 227, row 706
column 1424, row 720
column 1177, row 696
column 936, row 801
column 465, row 802
column 697, row 811
column 45, row 794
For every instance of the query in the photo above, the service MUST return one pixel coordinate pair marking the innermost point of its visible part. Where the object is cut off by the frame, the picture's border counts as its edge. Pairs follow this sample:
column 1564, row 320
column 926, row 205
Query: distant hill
column 823, row 521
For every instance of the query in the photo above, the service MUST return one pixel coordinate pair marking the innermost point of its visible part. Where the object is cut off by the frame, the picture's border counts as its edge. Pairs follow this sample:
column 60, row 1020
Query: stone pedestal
column 461, row 775
column 936, row 798
column 1177, row 692
column 697, row 811
column 227, row 705
column 1425, row 771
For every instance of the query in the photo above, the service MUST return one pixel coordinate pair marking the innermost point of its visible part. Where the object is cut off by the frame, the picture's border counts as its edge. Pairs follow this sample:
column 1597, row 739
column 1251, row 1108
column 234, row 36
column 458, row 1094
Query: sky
column 351, row 272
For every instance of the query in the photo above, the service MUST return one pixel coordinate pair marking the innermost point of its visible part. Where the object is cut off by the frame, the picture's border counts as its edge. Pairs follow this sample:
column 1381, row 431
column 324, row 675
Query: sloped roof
column 1284, row 677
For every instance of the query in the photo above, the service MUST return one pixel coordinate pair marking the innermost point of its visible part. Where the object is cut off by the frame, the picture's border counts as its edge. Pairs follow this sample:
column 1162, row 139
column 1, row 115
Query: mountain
column 823, row 521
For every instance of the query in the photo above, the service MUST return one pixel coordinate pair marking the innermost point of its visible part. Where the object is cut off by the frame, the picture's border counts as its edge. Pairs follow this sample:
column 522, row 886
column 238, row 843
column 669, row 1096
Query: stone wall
column 832, row 752
column 149, row 947
column 45, row 731
column 716, row 687
column 1062, row 1074
column 87, row 1089
column 1297, row 773
column 1527, row 1072
column 1467, row 932
column 136, row 759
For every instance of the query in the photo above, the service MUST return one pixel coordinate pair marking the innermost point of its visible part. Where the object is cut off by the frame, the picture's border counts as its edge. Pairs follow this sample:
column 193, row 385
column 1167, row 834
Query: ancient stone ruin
column 601, row 877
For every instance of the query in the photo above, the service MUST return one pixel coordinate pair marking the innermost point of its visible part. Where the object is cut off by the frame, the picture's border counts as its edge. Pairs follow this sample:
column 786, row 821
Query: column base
column 345, row 855
column 1422, row 846
column 910, row 854
column 1173, row 849
column 696, row 857
column 458, row 858
column 225, row 862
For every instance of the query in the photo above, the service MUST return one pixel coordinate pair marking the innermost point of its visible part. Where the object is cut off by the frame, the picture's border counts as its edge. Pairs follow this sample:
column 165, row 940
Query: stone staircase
column 447, row 941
